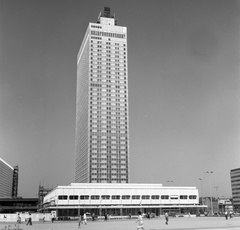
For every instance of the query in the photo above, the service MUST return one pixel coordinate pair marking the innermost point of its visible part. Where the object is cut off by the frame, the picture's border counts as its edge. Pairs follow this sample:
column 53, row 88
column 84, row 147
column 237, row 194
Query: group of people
column 230, row 214
column 28, row 220
column 82, row 220
column 140, row 220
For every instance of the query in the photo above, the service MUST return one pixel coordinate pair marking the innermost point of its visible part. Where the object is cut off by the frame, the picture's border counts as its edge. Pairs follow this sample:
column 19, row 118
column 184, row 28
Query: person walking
column 226, row 215
column 140, row 221
column 85, row 218
column 93, row 216
column 29, row 222
column 79, row 221
column 166, row 218
column 105, row 216
column 19, row 219
column 52, row 217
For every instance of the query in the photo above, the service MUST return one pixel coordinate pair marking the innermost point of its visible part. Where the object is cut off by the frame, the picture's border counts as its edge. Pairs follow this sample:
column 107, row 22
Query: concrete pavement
column 193, row 223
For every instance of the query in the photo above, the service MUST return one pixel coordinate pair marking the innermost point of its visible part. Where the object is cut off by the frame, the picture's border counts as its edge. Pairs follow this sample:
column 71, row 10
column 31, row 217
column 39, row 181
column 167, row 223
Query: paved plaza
column 193, row 223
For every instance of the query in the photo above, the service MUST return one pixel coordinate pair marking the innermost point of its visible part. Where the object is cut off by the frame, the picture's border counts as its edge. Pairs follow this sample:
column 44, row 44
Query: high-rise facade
column 8, row 180
column 235, row 183
column 102, row 115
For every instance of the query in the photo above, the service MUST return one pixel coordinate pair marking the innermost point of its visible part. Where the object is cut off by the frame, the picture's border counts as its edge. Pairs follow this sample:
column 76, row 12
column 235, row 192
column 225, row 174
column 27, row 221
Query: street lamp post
column 223, row 210
column 201, row 190
column 209, row 173
column 216, row 187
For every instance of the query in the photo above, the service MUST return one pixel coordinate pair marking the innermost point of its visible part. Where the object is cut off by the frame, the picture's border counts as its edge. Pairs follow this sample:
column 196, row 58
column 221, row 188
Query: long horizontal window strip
column 128, row 197
column 107, row 34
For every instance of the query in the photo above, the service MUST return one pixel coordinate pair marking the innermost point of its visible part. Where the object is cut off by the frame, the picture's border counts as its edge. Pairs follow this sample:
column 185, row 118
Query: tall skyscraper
column 102, row 119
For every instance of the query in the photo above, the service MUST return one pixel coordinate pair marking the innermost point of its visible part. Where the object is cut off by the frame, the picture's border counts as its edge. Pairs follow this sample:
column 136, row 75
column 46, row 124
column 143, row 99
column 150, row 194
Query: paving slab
column 195, row 223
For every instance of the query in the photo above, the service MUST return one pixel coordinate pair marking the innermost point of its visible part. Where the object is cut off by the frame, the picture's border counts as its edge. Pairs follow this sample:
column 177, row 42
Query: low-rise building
column 13, row 205
column 120, row 199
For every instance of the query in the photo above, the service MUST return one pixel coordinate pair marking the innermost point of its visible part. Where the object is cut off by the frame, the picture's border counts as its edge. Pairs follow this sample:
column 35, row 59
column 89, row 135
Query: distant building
column 235, row 183
column 225, row 204
column 19, row 204
column 8, row 180
column 102, row 115
column 42, row 191
column 15, row 182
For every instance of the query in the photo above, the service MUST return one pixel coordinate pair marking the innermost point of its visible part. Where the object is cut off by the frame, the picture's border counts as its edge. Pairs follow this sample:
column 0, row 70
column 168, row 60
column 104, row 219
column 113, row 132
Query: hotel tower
column 102, row 114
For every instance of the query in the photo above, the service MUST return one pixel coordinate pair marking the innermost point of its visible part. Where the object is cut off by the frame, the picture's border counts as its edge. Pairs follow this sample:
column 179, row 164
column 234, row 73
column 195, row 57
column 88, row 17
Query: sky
column 184, row 96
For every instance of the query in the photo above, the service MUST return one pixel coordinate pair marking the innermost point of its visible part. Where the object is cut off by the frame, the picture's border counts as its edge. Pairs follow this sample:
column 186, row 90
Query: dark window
column 155, row 197
column 145, row 197
column 73, row 197
column 62, row 197
column 95, row 197
column 125, row 197
column 192, row 197
column 84, row 197
column 135, row 197
column 183, row 197
column 115, row 197
column 105, row 197
column 164, row 197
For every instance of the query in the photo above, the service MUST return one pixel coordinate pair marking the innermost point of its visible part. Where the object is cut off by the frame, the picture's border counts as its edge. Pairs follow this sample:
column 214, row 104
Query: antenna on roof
column 98, row 20
column 114, row 16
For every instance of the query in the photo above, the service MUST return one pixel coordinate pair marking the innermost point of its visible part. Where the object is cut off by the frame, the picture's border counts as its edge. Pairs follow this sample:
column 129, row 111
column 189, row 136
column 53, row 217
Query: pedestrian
column 29, row 222
column 130, row 215
column 79, row 221
column 93, row 216
column 85, row 218
column 43, row 217
column 140, row 221
column 166, row 218
column 148, row 215
column 226, row 215
column 52, row 217
column 19, row 219
column 105, row 216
